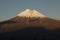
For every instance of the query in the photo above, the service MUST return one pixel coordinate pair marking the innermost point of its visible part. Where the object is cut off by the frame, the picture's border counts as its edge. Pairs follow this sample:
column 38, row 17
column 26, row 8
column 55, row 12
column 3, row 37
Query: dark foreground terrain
column 31, row 34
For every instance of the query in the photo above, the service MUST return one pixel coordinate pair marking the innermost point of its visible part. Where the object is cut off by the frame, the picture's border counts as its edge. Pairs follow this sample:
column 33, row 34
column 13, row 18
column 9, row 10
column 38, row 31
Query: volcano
column 30, row 24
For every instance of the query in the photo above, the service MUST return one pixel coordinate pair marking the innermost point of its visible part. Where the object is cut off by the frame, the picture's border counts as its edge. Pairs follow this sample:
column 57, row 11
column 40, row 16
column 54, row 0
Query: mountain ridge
column 30, row 27
column 40, row 21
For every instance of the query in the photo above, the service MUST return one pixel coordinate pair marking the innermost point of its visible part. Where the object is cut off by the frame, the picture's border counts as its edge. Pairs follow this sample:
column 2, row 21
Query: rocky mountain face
column 30, row 24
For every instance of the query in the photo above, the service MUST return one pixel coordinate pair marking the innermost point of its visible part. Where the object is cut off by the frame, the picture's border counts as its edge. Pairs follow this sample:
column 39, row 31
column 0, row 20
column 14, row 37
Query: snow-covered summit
column 31, row 13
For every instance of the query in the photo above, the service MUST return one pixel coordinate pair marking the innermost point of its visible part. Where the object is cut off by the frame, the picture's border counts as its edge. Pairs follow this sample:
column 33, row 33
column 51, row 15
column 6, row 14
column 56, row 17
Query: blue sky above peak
column 10, row 8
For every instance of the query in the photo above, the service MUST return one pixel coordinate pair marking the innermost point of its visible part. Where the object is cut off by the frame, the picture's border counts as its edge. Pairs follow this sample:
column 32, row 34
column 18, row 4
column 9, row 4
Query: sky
column 11, row 8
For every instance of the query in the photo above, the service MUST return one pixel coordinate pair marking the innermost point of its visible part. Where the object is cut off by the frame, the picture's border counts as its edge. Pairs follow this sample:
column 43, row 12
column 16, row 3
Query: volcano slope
column 14, row 29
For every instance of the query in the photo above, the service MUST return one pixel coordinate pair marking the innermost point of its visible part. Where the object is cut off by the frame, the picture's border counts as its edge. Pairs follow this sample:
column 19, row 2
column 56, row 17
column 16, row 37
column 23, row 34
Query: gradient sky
column 10, row 8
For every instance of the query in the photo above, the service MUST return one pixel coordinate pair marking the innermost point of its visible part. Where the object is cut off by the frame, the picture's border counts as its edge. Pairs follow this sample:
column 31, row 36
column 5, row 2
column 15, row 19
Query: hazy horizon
column 10, row 8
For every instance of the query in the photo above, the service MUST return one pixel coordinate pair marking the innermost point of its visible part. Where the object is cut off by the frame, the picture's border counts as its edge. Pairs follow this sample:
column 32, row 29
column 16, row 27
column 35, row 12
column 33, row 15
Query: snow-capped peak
column 31, row 13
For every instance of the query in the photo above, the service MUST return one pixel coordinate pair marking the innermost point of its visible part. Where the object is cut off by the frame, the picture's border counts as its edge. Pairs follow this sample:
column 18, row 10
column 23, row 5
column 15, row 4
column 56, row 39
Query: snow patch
column 31, row 13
